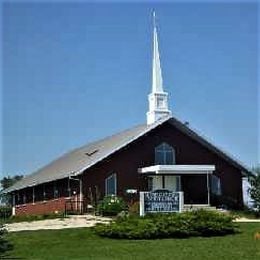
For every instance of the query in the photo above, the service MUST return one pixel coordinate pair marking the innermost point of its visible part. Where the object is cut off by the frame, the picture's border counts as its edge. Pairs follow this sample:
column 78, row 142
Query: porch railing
column 75, row 207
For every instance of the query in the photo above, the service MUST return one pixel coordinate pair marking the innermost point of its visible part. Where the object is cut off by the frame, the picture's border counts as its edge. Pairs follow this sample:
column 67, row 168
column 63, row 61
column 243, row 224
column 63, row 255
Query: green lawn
column 83, row 244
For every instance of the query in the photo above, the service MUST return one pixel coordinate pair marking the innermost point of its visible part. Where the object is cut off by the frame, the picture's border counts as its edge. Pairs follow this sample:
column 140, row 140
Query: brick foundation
column 43, row 207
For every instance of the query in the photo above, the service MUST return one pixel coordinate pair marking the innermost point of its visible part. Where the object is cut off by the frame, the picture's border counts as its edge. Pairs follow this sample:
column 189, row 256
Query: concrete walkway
column 247, row 220
column 70, row 222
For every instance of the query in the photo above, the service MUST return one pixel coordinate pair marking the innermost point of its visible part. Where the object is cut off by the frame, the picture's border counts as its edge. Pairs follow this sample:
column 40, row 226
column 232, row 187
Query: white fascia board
column 178, row 169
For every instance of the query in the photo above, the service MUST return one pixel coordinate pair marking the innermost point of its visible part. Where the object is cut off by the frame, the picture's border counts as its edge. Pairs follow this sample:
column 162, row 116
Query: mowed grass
column 84, row 244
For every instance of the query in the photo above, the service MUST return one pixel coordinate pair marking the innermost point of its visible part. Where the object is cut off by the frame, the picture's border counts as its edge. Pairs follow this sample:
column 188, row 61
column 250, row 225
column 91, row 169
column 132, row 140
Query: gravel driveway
column 70, row 222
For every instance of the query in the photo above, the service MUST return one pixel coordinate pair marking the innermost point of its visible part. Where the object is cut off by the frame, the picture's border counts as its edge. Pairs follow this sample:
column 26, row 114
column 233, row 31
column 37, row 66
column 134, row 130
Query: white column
column 181, row 201
column 141, row 207
column 13, row 204
column 69, row 188
column 33, row 196
column 80, row 195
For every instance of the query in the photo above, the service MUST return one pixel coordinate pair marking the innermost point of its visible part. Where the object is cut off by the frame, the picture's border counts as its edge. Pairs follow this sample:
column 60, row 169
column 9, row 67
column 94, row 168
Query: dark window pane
column 111, row 185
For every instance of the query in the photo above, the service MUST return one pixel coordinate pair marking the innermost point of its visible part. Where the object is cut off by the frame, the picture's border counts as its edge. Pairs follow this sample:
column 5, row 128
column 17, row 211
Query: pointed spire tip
column 154, row 17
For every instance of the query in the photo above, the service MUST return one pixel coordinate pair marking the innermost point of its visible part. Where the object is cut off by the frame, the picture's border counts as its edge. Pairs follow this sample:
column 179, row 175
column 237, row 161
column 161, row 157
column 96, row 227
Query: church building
column 161, row 154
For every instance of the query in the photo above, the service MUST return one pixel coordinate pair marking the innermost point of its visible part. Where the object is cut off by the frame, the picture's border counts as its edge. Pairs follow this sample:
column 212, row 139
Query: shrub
column 4, row 244
column 5, row 212
column 134, row 208
column 174, row 225
column 111, row 205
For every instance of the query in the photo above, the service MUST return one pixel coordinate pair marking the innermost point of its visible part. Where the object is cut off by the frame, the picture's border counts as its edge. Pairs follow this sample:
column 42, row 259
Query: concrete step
column 190, row 207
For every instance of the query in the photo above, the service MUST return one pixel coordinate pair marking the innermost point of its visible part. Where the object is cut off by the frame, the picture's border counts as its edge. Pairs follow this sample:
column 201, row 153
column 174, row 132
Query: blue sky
column 73, row 73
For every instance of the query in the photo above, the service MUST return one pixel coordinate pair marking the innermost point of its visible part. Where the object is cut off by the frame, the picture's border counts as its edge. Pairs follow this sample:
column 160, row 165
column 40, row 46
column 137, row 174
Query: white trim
column 178, row 169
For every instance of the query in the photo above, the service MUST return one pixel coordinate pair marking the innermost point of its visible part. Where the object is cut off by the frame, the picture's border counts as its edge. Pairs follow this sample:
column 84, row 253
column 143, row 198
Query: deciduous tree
column 255, row 189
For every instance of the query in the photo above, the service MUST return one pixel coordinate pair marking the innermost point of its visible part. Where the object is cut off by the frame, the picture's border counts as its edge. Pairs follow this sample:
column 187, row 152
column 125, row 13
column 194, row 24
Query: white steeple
column 158, row 99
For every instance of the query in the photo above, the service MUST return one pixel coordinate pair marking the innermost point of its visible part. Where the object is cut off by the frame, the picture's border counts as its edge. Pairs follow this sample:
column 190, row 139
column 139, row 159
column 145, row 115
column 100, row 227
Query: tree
column 8, row 181
column 255, row 189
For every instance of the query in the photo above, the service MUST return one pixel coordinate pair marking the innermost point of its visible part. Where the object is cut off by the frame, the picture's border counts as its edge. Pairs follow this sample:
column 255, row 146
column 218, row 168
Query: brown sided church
column 162, row 154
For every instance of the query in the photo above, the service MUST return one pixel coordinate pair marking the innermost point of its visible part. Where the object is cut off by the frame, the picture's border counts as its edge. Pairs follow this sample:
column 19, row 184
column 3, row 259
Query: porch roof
column 177, row 169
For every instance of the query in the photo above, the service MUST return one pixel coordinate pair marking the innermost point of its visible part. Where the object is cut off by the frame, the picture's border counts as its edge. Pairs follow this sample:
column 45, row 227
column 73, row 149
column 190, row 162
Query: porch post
column 80, row 196
column 33, row 196
column 141, row 203
column 13, row 204
column 208, row 189
column 69, row 189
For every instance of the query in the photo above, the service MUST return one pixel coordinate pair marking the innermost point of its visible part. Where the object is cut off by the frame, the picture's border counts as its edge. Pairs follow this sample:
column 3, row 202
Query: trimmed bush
column 111, row 205
column 174, row 225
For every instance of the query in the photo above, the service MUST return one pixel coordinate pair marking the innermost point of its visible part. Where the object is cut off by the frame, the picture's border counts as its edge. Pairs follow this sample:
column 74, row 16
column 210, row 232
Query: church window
column 111, row 185
column 215, row 185
column 164, row 154
column 55, row 191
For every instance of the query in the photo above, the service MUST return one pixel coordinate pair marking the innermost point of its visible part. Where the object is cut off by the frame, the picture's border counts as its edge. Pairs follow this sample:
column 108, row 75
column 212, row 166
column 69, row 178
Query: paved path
column 70, row 222
column 247, row 220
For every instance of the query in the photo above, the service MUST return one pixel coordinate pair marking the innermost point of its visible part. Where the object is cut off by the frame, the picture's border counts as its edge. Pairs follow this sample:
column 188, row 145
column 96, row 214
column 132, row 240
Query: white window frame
column 107, row 179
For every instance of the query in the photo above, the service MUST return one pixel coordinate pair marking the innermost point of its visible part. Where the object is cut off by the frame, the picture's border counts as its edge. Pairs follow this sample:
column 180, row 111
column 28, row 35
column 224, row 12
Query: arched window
column 164, row 154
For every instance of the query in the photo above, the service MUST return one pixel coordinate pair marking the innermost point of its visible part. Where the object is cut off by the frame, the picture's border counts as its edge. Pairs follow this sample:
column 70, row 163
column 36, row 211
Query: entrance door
column 195, row 189
column 157, row 183
column 168, row 182
column 172, row 183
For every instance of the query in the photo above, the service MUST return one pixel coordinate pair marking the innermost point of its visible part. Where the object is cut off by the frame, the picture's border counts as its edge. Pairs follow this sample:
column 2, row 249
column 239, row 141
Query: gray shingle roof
column 78, row 160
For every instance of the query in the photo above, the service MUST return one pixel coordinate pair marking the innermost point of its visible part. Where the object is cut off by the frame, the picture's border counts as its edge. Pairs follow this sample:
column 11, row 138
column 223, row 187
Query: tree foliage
column 5, row 245
column 255, row 189
column 8, row 181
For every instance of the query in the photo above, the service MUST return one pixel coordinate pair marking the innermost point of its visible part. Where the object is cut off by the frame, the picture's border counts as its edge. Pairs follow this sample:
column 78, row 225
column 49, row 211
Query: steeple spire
column 158, row 99
column 157, row 72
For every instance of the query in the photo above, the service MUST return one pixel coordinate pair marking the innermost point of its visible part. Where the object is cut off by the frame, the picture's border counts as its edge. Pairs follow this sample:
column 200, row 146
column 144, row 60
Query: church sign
column 160, row 202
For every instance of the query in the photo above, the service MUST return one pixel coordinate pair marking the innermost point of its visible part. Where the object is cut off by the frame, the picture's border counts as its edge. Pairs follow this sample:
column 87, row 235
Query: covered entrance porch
column 192, row 180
